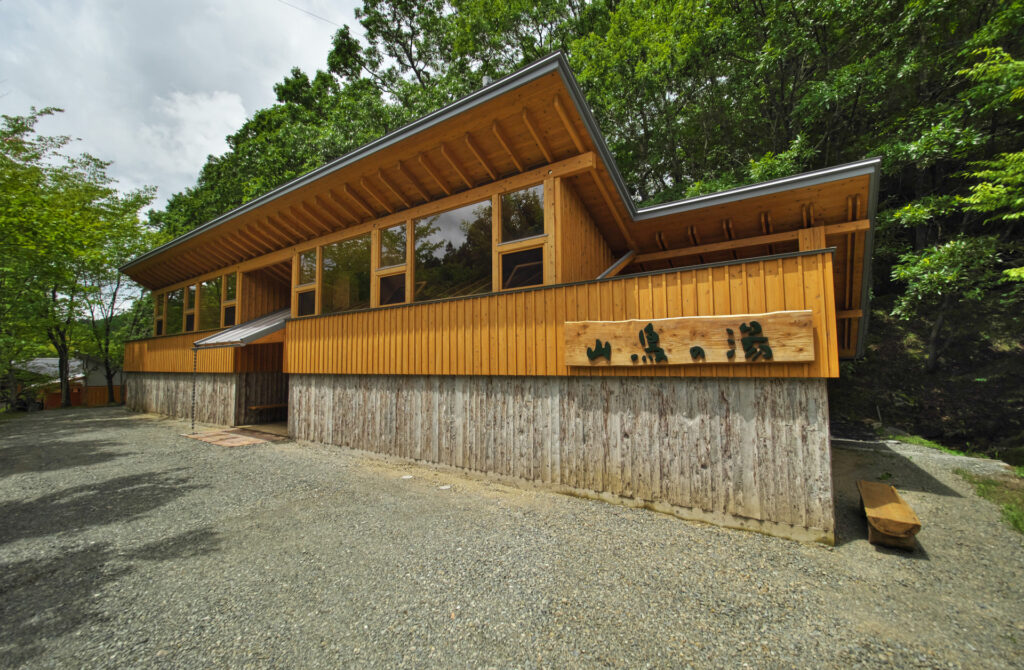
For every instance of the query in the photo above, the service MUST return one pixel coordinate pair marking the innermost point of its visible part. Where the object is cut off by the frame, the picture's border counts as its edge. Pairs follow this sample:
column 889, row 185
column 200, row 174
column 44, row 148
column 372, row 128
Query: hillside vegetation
column 696, row 97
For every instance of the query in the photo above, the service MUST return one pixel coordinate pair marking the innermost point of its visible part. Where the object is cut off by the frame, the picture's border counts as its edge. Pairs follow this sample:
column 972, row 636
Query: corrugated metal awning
column 245, row 333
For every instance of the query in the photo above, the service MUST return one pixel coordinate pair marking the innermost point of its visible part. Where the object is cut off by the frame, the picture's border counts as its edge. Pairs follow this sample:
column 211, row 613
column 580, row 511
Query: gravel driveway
column 124, row 544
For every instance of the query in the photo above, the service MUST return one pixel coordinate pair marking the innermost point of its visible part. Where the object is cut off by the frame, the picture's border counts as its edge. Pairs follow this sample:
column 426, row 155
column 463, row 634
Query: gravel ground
column 123, row 544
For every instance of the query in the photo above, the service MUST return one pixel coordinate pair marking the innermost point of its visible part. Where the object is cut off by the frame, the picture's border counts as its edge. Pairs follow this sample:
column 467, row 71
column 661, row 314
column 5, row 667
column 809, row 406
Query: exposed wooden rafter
column 345, row 208
column 255, row 232
column 426, row 165
column 569, row 126
column 276, row 236
column 368, row 187
column 568, row 167
column 303, row 229
column 394, row 190
column 455, row 166
column 319, row 216
column 415, row 182
column 610, row 203
column 338, row 216
column 767, row 228
column 500, row 136
column 356, row 198
column 538, row 140
column 291, row 232
column 475, row 150
column 311, row 222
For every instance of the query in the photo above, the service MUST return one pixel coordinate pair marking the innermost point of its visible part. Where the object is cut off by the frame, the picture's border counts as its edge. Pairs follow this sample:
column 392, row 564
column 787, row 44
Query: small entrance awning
column 245, row 333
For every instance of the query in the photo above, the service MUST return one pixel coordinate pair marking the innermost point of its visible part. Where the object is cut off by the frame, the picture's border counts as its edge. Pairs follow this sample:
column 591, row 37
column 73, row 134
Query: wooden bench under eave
column 891, row 521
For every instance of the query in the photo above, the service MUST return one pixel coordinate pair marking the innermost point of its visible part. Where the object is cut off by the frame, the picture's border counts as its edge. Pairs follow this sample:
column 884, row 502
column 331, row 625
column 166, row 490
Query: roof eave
column 553, row 62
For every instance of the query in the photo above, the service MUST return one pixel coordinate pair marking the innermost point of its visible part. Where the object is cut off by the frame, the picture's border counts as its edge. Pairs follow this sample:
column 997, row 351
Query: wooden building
column 477, row 289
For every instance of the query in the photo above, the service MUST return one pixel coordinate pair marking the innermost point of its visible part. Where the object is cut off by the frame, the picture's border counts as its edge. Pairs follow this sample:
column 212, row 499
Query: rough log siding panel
column 174, row 354
column 171, row 394
column 743, row 452
column 522, row 333
column 583, row 251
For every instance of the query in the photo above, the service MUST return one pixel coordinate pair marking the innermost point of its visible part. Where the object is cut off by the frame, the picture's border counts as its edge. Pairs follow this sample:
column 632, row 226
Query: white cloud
column 156, row 87
column 185, row 128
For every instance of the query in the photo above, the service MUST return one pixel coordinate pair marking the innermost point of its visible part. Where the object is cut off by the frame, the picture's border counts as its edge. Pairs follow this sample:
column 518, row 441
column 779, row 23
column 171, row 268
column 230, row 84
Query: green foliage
column 695, row 97
column 963, row 269
column 1005, row 491
column 63, row 229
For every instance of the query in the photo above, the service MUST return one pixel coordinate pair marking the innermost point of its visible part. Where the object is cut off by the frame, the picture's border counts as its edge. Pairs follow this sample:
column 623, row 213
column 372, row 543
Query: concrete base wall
column 748, row 453
column 221, row 399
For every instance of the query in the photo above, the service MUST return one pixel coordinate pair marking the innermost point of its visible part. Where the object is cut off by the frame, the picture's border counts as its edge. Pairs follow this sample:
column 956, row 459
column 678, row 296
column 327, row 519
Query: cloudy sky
column 155, row 86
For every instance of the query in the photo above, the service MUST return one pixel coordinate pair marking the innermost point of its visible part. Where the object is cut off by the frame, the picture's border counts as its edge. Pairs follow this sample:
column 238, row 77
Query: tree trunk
column 932, row 364
column 110, row 383
column 65, row 381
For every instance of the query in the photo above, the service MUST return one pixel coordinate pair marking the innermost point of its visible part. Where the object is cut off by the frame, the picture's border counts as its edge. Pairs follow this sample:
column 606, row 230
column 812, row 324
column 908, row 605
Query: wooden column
column 374, row 265
column 551, row 186
column 812, row 238
column 495, row 241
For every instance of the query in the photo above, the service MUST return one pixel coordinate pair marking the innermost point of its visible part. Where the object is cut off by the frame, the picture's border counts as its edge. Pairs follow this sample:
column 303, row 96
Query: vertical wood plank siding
column 752, row 453
column 584, row 254
column 174, row 354
column 521, row 333
column 259, row 358
column 261, row 293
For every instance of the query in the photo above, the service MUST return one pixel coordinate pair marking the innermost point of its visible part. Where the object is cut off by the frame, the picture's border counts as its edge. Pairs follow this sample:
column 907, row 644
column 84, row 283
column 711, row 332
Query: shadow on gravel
column 44, row 599
column 50, row 456
column 877, row 464
column 115, row 500
column 53, row 421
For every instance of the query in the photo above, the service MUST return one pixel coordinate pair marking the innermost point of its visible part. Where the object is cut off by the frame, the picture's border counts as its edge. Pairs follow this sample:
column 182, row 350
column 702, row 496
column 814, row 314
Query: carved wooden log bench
column 891, row 521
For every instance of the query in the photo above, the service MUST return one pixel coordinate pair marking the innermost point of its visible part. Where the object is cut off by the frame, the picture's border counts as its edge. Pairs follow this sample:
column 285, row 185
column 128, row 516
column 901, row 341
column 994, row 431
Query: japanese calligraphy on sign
column 777, row 337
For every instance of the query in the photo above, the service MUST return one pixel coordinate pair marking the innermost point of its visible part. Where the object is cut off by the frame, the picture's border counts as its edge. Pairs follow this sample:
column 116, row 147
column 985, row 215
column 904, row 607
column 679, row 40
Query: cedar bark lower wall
column 170, row 393
column 750, row 453
column 221, row 399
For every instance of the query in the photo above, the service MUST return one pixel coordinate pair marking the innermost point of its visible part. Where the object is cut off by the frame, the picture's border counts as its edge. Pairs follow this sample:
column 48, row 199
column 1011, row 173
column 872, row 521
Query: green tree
column 58, row 215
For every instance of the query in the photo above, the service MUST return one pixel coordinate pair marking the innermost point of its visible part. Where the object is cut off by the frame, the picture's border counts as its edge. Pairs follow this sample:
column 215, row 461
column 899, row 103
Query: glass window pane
column 158, row 300
column 392, row 289
column 191, row 304
column 175, row 310
column 160, row 327
column 307, row 267
column 453, row 253
column 230, row 286
column 392, row 245
column 209, row 304
column 307, row 303
column 522, row 268
column 229, row 315
column 190, row 322
column 522, row 213
column 345, row 275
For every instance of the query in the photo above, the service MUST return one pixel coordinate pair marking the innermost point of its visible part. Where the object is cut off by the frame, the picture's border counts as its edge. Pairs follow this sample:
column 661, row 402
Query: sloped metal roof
column 244, row 333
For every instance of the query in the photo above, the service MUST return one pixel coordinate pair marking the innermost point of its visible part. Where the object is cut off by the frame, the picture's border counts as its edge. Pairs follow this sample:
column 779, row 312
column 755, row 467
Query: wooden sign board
column 777, row 337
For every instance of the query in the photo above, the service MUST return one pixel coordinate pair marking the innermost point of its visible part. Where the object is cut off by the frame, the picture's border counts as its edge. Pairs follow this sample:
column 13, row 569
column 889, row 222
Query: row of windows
column 452, row 257
column 208, row 305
